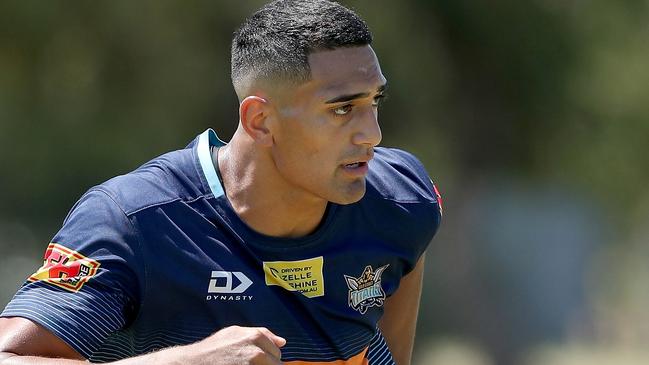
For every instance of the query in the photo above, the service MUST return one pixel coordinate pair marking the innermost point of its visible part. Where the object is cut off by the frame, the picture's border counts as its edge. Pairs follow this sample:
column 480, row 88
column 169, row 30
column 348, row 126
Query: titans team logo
column 366, row 291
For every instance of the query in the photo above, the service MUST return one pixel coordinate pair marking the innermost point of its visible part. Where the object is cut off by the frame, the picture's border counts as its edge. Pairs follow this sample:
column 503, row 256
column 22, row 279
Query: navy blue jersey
column 158, row 257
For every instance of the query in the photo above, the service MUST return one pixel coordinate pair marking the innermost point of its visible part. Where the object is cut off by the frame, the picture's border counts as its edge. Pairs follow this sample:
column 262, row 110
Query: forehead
column 345, row 70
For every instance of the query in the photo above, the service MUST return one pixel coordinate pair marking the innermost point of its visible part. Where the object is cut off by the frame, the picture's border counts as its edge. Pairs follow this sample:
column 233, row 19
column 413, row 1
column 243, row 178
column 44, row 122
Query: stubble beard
column 350, row 192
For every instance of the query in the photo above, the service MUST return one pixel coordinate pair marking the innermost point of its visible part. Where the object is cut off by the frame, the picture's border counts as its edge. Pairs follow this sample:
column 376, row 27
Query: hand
column 238, row 346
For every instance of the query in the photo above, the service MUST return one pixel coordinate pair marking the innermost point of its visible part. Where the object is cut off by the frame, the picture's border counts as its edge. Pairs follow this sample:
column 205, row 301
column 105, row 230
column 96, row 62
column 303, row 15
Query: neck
column 261, row 197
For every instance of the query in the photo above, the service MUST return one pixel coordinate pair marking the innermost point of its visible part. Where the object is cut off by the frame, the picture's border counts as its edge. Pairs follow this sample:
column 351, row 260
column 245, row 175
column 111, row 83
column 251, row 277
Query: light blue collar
column 205, row 141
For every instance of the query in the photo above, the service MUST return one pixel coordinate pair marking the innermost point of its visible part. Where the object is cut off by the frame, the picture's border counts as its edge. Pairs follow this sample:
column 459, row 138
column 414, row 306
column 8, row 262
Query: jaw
column 349, row 192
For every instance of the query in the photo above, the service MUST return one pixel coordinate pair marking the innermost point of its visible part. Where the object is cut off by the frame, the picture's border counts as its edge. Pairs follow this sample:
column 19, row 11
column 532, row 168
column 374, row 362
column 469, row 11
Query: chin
column 351, row 195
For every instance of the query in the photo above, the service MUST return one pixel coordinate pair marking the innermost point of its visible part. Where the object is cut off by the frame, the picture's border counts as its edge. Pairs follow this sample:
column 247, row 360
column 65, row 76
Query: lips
column 353, row 165
column 360, row 160
column 358, row 166
column 355, row 169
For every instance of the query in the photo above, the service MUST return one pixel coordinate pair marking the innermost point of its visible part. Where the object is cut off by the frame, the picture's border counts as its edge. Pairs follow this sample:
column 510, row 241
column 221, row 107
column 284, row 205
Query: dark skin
column 30, row 338
column 24, row 342
column 290, row 153
column 295, row 150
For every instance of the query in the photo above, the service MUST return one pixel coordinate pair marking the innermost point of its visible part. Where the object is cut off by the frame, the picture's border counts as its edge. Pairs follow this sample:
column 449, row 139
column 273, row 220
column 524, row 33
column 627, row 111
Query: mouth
column 358, row 166
column 356, row 169
column 355, row 165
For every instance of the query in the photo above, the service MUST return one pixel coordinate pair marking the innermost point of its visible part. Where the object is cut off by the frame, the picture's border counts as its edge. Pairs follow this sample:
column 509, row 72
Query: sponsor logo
column 229, row 298
column 303, row 276
column 221, row 286
column 439, row 198
column 221, row 282
column 65, row 268
column 366, row 291
column 214, row 287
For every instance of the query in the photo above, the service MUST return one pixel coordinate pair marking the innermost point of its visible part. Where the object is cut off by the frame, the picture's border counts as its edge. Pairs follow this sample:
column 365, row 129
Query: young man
column 297, row 242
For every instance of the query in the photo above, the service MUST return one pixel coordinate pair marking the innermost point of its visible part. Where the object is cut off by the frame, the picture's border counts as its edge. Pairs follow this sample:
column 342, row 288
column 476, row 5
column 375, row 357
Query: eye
column 343, row 110
column 379, row 99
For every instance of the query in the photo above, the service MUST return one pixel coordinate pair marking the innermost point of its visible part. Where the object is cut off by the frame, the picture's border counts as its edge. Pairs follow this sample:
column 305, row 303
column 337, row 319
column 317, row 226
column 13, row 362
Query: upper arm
column 23, row 337
column 399, row 319
column 87, row 287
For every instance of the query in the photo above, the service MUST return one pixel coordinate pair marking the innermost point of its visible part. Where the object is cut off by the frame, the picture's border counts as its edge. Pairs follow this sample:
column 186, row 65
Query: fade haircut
column 274, row 43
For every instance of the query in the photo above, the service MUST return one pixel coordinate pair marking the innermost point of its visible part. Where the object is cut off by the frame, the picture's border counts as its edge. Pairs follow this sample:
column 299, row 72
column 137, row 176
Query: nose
column 368, row 132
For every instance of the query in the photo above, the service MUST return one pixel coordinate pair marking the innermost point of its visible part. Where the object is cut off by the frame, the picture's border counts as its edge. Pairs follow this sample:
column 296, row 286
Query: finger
column 267, row 345
column 269, row 360
column 277, row 340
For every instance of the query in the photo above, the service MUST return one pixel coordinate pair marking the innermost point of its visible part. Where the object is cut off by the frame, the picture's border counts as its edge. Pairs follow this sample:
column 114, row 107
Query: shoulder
column 399, row 176
column 401, row 204
column 400, row 191
column 167, row 178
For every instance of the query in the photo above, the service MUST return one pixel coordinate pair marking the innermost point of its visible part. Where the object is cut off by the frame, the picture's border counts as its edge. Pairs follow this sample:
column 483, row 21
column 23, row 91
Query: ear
column 254, row 113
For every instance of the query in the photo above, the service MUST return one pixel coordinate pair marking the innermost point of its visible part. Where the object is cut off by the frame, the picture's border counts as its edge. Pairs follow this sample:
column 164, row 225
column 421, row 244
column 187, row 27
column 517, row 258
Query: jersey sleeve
column 88, row 286
column 427, row 218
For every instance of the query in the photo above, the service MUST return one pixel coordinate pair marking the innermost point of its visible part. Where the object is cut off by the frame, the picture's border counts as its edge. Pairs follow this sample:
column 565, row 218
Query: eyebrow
column 343, row 98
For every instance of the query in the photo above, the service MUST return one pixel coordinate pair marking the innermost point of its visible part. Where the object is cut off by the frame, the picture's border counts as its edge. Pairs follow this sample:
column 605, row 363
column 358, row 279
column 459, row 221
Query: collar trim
column 205, row 141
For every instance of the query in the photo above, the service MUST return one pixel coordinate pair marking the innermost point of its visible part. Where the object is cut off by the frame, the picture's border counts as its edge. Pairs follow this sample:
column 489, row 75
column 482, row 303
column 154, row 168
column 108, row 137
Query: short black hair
column 275, row 42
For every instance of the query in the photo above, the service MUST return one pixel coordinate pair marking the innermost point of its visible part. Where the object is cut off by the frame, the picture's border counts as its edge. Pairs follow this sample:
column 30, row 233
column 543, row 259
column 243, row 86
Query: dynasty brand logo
column 222, row 287
column 65, row 268
column 366, row 291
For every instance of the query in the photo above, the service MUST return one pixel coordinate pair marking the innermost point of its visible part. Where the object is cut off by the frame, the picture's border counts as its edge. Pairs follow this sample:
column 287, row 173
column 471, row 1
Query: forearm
column 174, row 355
column 400, row 315
column 13, row 359
column 228, row 346
column 168, row 356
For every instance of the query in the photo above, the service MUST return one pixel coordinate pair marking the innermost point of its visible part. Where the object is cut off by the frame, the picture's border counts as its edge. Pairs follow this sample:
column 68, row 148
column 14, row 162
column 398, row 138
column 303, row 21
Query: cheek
column 309, row 138
column 310, row 146
column 295, row 152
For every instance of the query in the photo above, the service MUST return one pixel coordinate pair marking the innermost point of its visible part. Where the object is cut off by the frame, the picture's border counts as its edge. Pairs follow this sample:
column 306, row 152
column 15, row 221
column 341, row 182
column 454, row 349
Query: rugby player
column 298, row 242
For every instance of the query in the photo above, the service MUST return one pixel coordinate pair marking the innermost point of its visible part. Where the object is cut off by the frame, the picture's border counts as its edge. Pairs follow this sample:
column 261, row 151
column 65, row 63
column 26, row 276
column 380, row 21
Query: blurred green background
column 531, row 116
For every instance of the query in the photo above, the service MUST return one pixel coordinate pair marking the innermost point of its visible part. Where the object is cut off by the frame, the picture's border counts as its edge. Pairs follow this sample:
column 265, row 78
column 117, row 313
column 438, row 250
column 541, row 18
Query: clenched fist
column 230, row 346
column 239, row 345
